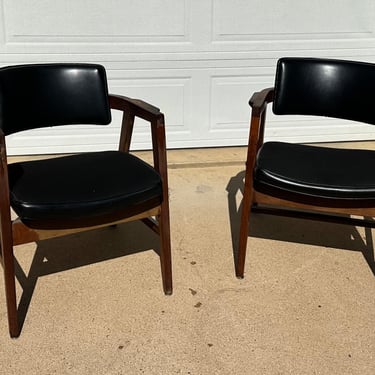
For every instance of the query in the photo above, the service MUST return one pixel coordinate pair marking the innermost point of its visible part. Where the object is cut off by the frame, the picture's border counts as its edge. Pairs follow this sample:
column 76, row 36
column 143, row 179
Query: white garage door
column 199, row 61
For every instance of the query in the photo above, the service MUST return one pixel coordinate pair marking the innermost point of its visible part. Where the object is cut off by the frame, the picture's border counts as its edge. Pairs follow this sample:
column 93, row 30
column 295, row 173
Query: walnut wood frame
column 16, row 233
column 286, row 204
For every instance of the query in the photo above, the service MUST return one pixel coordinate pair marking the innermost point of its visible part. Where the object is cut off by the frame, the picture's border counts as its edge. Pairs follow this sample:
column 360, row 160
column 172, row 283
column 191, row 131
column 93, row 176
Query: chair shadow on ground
column 77, row 250
column 340, row 236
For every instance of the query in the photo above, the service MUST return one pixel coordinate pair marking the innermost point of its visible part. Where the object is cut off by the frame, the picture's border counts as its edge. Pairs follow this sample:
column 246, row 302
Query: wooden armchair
column 305, row 181
column 58, row 196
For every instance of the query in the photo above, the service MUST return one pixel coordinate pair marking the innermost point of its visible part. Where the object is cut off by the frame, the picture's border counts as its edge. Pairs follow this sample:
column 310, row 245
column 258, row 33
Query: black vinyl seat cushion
column 72, row 188
column 315, row 171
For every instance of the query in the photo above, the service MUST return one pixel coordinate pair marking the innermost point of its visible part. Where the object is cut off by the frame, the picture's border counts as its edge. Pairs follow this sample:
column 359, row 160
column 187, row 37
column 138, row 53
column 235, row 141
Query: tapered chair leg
column 10, row 291
column 244, row 227
column 165, row 249
column 10, row 286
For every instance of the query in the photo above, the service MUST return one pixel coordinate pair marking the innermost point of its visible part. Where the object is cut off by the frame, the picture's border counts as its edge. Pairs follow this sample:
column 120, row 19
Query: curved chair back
column 52, row 94
column 333, row 88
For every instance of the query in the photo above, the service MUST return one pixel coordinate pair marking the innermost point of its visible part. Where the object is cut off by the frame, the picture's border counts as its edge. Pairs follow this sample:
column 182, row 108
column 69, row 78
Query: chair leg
column 165, row 249
column 10, row 284
column 244, row 227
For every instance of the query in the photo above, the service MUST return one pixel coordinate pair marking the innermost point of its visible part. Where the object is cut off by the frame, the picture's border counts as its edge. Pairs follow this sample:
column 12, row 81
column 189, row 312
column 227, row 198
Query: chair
column 68, row 194
column 312, row 182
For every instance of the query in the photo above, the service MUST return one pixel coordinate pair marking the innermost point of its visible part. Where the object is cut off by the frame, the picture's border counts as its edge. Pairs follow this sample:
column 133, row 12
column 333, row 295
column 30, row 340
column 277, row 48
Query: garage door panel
column 243, row 20
column 199, row 61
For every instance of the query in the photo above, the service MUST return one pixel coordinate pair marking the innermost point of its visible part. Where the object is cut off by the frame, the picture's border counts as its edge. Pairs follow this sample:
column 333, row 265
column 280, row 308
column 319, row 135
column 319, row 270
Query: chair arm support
column 3, row 158
column 2, row 144
column 4, row 187
column 259, row 100
column 132, row 108
column 136, row 107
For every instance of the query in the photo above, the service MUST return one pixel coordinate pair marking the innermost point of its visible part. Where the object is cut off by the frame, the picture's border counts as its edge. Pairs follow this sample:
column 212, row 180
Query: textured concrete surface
column 92, row 303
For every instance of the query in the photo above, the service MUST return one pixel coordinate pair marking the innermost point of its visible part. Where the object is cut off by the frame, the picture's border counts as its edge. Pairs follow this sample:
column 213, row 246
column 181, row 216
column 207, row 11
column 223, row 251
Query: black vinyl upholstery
column 52, row 94
column 51, row 192
column 321, row 87
column 315, row 171
column 70, row 189
column 325, row 87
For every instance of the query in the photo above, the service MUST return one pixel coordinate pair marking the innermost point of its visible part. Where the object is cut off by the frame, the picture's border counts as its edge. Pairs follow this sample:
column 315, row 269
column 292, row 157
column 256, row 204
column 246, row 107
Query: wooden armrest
column 260, row 99
column 137, row 107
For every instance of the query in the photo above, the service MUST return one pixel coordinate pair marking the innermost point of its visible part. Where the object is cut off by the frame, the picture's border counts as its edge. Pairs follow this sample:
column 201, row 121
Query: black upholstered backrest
column 41, row 95
column 325, row 87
